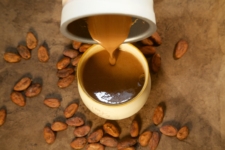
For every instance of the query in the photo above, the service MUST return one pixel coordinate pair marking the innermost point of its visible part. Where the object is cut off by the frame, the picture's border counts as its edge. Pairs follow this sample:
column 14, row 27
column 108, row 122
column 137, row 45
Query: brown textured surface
column 192, row 88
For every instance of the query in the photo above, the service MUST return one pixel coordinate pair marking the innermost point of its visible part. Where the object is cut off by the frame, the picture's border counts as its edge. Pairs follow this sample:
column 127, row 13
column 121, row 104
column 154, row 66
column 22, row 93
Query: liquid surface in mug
column 113, row 84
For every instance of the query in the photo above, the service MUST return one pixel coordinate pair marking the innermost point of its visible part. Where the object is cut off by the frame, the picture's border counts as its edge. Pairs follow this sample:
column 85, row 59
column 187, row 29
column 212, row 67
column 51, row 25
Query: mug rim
column 147, row 76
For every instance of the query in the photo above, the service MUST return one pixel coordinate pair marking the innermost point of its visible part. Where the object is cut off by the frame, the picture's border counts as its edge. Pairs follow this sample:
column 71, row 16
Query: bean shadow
column 89, row 123
column 49, row 125
column 60, row 57
column 45, row 44
column 11, row 50
column 38, row 80
column 29, row 75
column 3, row 107
column 163, row 105
column 22, row 42
column 189, row 125
column 60, row 118
column 152, row 128
column 54, row 95
column 77, row 101
column 34, row 32
column 173, row 123
column 97, row 128
column 80, row 115
column 139, row 121
column 69, row 46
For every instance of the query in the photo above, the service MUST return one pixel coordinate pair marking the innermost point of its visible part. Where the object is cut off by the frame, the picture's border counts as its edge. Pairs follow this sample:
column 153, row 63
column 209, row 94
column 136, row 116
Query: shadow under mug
column 114, row 111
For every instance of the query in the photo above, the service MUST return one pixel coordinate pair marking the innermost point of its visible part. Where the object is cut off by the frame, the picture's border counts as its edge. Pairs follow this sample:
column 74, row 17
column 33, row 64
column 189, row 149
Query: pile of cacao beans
column 108, row 135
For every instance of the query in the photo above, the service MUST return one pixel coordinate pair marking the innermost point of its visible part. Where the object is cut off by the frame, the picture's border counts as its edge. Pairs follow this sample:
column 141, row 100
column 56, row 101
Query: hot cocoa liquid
column 110, row 31
column 112, row 76
column 113, row 84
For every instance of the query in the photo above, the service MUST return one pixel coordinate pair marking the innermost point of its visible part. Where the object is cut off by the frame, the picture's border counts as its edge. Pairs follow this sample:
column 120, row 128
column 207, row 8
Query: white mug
column 75, row 12
column 114, row 111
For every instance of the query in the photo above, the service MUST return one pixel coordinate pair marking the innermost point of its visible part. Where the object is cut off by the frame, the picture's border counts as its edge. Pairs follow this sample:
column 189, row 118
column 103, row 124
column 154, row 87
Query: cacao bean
column 154, row 141
column 65, row 82
column 70, row 110
column 78, row 143
column 59, row 126
column 52, row 102
column 71, row 53
column 12, row 57
column 158, row 115
column 31, row 40
column 22, row 84
column 18, row 98
column 33, row 90
column 24, row 52
column 43, row 55
column 49, row 135
column 111, row 129
column 63, row 63
column 2, row 116
column 180, row 49
column 183, row 133
column 168, row 130
column 81, row 131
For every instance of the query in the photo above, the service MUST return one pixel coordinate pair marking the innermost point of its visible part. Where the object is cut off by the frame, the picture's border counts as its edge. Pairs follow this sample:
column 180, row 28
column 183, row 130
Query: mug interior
column 124, row 47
